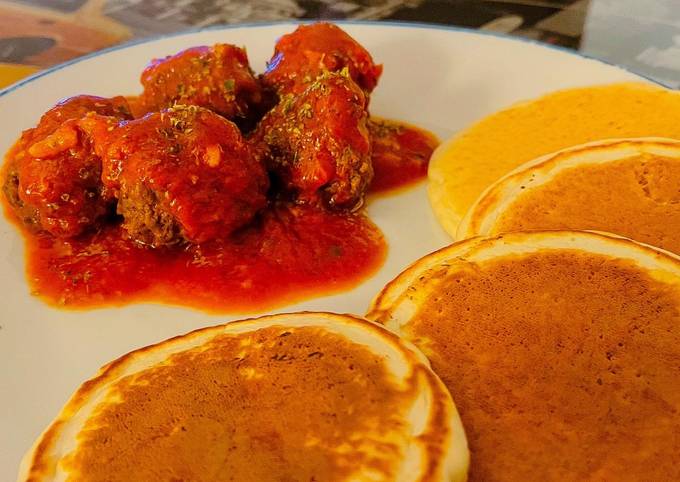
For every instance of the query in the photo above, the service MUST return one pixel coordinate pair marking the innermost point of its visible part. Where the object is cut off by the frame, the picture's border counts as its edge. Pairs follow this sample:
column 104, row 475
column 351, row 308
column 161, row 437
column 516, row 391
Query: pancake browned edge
column 623, row 186
column 561, row 350
column 305, row 396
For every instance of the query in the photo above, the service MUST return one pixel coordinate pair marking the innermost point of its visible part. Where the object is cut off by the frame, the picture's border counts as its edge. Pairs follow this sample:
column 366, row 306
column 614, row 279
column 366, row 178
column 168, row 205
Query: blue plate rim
column 390, row 23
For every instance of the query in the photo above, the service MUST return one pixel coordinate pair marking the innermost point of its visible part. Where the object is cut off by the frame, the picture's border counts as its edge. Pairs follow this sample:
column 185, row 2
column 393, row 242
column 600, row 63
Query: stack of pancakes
column 555, row 319
column 553, row 324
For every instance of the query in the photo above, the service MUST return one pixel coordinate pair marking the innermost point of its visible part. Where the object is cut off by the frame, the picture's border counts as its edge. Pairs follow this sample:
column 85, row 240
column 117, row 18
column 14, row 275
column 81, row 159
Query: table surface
column 641, row 35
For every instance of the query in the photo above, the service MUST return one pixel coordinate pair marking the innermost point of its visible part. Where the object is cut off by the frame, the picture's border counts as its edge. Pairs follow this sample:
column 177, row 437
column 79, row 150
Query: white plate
column 441, row 79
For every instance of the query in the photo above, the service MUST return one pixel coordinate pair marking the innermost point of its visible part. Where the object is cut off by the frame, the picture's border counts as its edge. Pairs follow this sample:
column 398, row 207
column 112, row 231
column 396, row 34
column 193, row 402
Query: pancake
column 308, row 396
column 561, row 350
column 630, row 187
column 464, row 166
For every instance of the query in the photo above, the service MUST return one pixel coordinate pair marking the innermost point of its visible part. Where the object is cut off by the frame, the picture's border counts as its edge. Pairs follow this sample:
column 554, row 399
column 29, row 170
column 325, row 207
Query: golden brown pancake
column 561, row 350
column 630, row 187
column 307, row 396
column 463, row 167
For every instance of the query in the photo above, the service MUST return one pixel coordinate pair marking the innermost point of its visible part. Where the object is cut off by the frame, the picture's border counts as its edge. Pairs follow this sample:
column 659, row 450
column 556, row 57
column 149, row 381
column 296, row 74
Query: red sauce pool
column 401, row 153
column 290, row 254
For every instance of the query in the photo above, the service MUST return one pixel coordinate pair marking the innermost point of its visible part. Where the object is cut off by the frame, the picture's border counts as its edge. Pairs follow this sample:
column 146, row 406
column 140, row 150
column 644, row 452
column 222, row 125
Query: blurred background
column 642, row 35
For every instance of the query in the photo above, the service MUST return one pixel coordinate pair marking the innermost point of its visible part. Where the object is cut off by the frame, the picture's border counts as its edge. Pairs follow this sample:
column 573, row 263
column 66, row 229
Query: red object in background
column 61, row 36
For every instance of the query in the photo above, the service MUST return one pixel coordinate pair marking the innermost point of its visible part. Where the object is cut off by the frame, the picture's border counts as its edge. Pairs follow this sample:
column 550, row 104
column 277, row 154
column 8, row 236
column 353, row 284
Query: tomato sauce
column 401, row 153
column 288, row 255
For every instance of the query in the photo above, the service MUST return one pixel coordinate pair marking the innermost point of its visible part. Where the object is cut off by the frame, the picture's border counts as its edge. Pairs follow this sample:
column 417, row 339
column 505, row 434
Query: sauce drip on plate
column 401, row 153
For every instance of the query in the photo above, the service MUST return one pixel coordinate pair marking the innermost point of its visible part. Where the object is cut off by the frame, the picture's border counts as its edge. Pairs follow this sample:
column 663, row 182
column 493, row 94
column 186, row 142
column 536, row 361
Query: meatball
column 218, row 78
column 317, row 143
column 300, row 57
column 182, row 174
column 53, row 176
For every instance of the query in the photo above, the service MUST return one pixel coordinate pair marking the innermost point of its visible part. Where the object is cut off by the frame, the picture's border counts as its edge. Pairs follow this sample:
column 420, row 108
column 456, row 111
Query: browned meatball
column 317, row 143
column 300, row 57
column 53, row 177
column 218, row 78
column 182, row 174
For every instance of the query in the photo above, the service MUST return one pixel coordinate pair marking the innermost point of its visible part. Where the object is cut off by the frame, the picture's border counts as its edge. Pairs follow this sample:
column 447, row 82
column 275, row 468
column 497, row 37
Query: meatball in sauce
column 301, row 56
column 53, row 177
column 218, row 78
column 317, row 143
column 223, row 191
column 181, row 174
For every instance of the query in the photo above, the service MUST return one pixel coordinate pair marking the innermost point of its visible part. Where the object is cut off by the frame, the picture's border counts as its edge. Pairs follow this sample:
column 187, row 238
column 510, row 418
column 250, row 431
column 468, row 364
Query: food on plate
column 287, row 254
column 217, row 78
column 559, row 348
column 399, row 153
column 317, row 143
column 475, row 158
column 311, row 50
column 52, row 175
column 307, row 396
column 628, row 186
column 181, row 174
column 227, row 191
